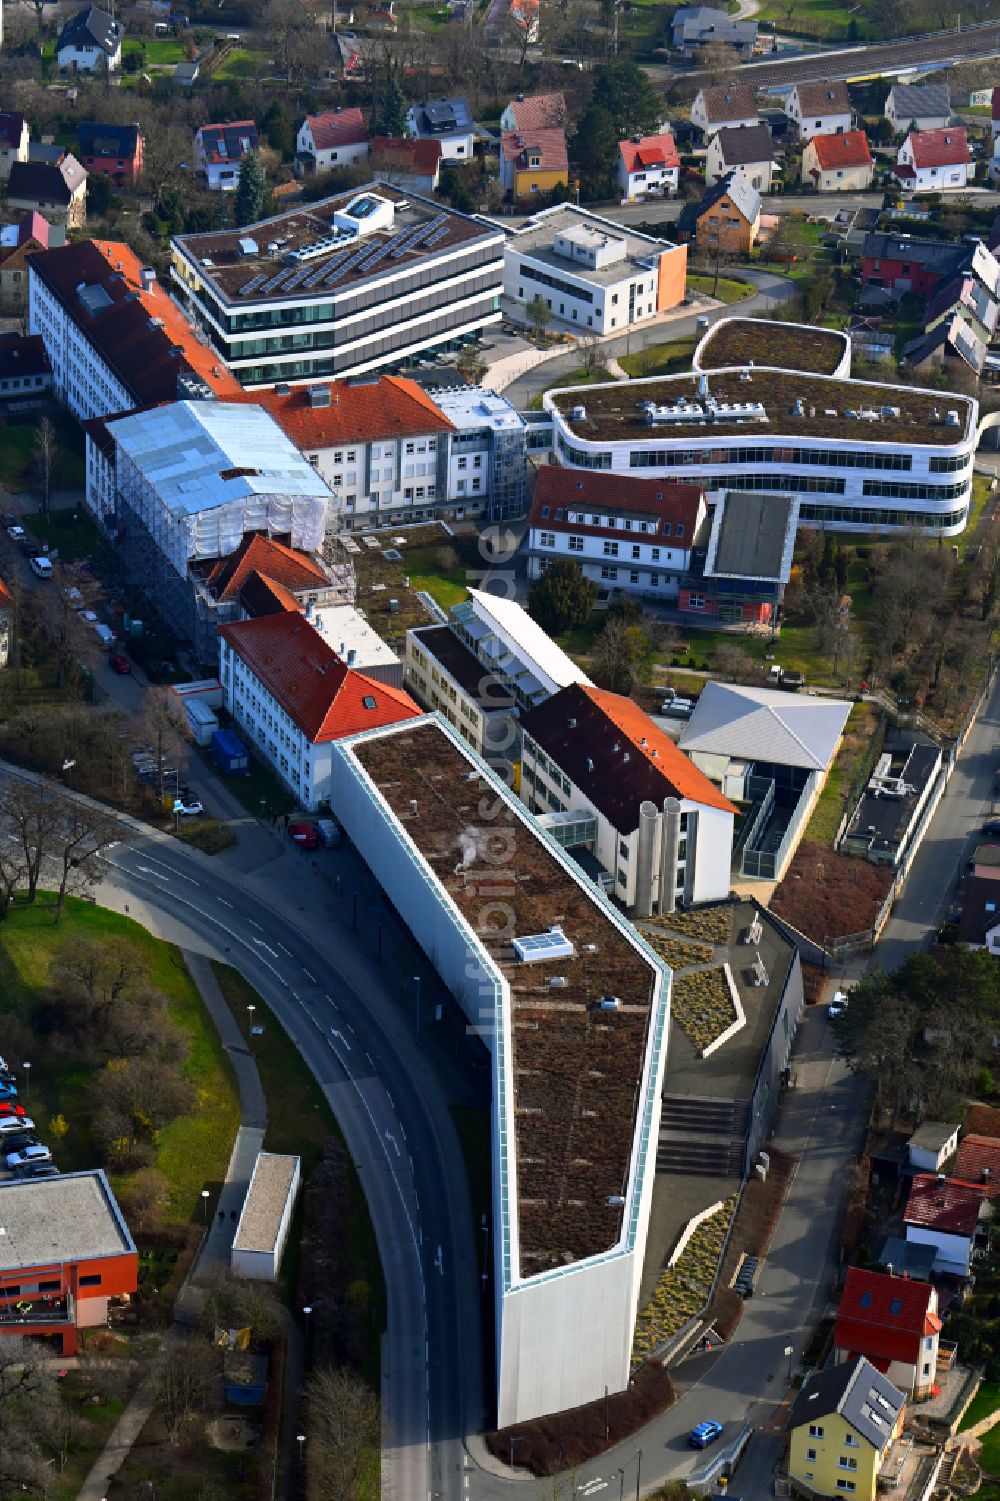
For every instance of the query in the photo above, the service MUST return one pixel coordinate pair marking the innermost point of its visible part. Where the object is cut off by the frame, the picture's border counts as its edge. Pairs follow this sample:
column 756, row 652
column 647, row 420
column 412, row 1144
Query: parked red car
column 304, row 835
column 120, row 664
column 6, row 1108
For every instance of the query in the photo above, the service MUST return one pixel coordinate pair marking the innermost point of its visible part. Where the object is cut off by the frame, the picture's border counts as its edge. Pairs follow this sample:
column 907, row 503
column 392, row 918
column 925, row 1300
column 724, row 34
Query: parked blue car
column 7, row 1092
column 704, row 1434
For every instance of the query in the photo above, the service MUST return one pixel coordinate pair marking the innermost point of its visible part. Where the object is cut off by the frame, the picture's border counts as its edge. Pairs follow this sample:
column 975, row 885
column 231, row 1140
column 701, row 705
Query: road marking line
column 283, row 949
column 309, row 977
column 342, row 1038
column 222, row 902
column 255, row 925
column 263, row 945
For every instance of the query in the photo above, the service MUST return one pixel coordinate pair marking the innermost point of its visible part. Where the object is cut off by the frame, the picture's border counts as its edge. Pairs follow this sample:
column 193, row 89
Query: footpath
column 212, row 1259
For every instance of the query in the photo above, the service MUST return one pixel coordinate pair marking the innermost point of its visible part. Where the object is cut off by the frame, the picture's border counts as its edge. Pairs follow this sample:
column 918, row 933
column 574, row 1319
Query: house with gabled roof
column 746, row 152
column 978, row 1161
column 90, row 41
column 533, row 162
column 930, row 161
column 971, row 300
column 946, row 1213
column 293, row 697
column 113, row 151
column 838, row 163
column 446, row 121
column 842, row 1427
column 219, row 150
column 410, row 164
column 731, row 104
column 648, row 167
column 535, row 112
column 819, row 109
column 979, row 924
column 893, row 1322
column 336, row 138
column 14, row 140
column 58, row 193
column 924, row 106
column 725, row 219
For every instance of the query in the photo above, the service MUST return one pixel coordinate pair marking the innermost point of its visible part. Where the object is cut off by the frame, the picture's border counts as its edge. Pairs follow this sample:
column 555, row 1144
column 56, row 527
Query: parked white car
column 42, row 567
column 29, row 1155
column 9, row 1124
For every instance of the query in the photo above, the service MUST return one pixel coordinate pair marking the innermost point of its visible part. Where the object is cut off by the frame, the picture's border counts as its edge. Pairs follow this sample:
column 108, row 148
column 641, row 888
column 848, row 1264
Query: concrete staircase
column 701, row 1135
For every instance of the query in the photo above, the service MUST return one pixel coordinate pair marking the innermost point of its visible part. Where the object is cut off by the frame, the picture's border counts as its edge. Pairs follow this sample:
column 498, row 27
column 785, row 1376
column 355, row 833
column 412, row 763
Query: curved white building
column 574, row 1010
column 861, row 455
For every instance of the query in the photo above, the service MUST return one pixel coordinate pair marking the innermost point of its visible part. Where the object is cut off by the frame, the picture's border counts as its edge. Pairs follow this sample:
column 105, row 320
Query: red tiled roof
column 337, row 127
column 325, row 698
column 847, row 150
column 649, row 151
column 939, row 148
column 423, row 156
column 261, row 595
column 144, row 357
column 884, row 1317
column 978, row 1161
column 574, row 727
column 945, row 1204
column 259, row 554
column 359, row 412
column 669, row 500
column 823, row 99
column 549, row 143
column 539, row 111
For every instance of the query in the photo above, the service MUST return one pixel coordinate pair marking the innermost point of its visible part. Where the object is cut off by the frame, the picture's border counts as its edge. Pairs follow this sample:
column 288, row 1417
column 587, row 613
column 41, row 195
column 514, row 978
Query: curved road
column 771, row 292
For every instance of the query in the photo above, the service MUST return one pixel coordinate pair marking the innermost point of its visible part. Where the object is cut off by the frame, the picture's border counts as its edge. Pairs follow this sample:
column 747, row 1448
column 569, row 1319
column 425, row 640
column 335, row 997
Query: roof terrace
column 763, row 403
column 577, row 1063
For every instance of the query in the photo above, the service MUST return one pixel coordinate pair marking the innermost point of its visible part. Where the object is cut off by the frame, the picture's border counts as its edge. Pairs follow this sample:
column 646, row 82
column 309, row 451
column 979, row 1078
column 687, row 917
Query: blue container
column 229, row 752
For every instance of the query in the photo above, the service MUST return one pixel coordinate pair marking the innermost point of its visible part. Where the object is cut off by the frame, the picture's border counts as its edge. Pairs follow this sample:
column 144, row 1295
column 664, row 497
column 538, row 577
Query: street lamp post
column 307, row 1310
column 251, row 1008
column 416, row 984
column 621, row 1483
column 789, row 1351
column 300, row 1439
column 27, row 1078
column 204, row 1205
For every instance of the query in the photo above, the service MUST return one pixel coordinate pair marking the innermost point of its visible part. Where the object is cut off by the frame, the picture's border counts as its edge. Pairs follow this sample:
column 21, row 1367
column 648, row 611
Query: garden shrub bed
column 711, row 926
column 682, row 1291
column 702, row 1006
column 677, row 952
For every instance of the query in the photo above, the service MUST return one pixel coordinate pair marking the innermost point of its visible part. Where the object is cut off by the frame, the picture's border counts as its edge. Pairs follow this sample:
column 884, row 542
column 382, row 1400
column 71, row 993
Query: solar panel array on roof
column 438, row 234
column 252, row 285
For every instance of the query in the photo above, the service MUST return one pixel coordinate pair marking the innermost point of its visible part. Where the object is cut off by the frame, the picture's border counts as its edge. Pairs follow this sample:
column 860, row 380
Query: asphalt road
column 772, row 290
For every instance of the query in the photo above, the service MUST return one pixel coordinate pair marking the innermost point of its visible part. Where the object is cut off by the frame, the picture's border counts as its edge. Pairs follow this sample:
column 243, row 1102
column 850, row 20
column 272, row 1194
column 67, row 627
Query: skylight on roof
column 538, row 946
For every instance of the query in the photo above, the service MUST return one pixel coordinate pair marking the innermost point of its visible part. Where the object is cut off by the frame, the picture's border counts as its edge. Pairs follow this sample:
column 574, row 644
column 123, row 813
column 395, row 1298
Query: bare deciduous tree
column 185, row 1382
column 342, row 1424
column 46, row 450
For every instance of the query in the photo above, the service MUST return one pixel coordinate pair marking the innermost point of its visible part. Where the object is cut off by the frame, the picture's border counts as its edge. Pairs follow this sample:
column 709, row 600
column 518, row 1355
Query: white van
column 42, row 567
column 104, row 634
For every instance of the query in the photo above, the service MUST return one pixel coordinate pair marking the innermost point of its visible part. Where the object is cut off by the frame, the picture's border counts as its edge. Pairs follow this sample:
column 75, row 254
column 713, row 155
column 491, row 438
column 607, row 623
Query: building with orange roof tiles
column 294, row 696
column 664, row 832
column 115, row 338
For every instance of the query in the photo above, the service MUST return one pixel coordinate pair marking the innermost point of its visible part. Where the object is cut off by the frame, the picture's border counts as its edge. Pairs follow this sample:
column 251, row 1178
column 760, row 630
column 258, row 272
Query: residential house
column 592, row 271
column 726, row 219
column 731, row 104
column 25, row 370
column 65, row 1257
column 59, row 194
column 292, row 695
column 906, row 264
column 951, row 342
column 532, row 162
column 930, row 161
column 115, row 337
column 336, row 138
column 219, row 150
column 14, row 138
column 624, row 532
column 931, row 1145
column 535, row 112
column 969, row 299
column 838, row 163
column 91, row 41
column 894, row 1323
column 918, row 106
column 447, row 121
column 745, row 151
column 945, row 1213
column 979, row 924
column 819, row 109
column 978, row 1161
column 519, row 18
column 413, row 165
column 113, row 151
column 6, row 622
column 18, row 242
column 648, row 167
column 696, row 26
column 593, row 755
column 842, row 1426
column 395, row 454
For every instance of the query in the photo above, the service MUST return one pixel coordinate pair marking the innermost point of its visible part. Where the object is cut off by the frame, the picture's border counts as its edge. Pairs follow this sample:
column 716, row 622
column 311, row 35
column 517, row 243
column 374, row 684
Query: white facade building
column 522, row 658
column 863, row 456
column 731, row 104
column 91, row 41
column 747, row 151
column 266, row 1217
column 359, row 282
column 448, row 121
column 592, row 272
column 819, row 109
column 336, row 138
column 648, row 167
column 569, row 1234
column 931, row 160
column 931, row 1144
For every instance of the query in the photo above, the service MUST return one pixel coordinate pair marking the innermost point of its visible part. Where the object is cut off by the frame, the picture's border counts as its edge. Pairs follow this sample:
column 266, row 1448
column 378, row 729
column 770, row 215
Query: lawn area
column 161, row 51
column 93, row 1419
column 727, row 290
column 826, row 20
column 985, row 1402
column 448, row 586
column 981, row 492
column 18, row 450
column 239, row 64
column 579, row 642
column 830, row 805
column 194, row 1149
column 989, row 1456
column 660, row 359
column 299, row 1121
column 71, row 533
column 256, row 785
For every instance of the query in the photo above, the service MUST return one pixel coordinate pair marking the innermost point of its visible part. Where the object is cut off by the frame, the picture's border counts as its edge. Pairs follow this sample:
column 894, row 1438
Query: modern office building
column 591, row 271
column 115, row 339
column 573, row 1009
column 861, row 455
column 361, row 281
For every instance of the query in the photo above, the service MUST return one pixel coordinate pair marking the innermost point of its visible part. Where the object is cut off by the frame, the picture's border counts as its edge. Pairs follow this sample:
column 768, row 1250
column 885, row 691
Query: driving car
column 120, row 664
column 28, row 1155
column 704, row 1434
column 838, row 1005
column 304, row 835
column 16, row 533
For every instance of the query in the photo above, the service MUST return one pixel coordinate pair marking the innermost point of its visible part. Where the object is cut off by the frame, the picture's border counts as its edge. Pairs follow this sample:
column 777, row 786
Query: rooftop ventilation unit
column 579, row 414
column 537, row 946
column 610, row 1003
column 248, row 246
column 951, row 418
column 559, row 981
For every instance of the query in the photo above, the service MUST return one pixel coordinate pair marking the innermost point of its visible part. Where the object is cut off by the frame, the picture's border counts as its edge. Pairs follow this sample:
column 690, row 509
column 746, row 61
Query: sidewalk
column 213, row 1255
